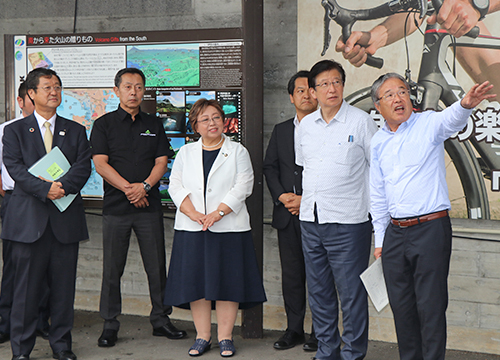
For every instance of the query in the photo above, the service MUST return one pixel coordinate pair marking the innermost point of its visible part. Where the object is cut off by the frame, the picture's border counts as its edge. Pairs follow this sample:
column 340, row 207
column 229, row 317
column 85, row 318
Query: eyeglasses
column 206, row 121
column 49, row 89
column 326, row 84
column 391, row 96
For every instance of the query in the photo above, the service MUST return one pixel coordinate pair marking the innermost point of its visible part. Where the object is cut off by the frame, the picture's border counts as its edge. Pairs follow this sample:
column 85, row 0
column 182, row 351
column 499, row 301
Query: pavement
column 135, row 342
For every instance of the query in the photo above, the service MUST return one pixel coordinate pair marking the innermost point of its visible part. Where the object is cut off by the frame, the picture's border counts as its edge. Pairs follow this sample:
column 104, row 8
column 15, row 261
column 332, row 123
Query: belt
column 9, row 191
column 419, row 219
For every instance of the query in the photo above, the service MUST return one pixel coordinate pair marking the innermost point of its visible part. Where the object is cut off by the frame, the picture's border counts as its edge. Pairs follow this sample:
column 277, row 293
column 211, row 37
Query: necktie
column 47, row 138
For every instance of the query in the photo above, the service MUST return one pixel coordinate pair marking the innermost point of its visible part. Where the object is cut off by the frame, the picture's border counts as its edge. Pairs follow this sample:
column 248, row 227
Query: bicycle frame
column 439, row 83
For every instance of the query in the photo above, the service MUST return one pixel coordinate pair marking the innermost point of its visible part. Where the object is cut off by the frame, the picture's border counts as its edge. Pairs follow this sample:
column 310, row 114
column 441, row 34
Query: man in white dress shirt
column 333, row 146
column 7, row 185
column 409, row 205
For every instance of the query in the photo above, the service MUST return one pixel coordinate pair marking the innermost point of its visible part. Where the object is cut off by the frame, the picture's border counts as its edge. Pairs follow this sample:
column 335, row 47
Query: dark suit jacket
column 282, row 175
column 29, row 209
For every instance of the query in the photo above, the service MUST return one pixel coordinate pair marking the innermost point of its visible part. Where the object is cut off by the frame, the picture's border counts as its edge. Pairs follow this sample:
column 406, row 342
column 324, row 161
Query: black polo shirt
column 132, row 148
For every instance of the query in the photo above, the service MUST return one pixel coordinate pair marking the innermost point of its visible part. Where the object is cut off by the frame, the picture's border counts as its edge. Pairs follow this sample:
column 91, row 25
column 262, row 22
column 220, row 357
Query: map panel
column 85, row 106
column 167, row 65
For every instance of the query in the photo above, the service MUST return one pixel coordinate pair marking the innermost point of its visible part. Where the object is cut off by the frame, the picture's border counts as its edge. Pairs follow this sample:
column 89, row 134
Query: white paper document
column 373, row 279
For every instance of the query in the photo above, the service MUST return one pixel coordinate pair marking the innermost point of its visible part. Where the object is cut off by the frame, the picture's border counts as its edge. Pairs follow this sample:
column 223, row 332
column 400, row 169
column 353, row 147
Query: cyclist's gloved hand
column 458, row 17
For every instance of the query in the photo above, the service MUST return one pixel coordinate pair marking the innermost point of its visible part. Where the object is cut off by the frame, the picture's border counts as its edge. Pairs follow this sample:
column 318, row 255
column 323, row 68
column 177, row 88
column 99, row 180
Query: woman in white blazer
column 213, row 262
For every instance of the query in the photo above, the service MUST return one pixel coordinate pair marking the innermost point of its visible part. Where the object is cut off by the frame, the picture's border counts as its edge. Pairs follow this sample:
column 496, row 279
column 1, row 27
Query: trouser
column 335, row 256
column 293, row 274
column 148, row 227
column 7, row 284
column 416, row 263
column 44, row 261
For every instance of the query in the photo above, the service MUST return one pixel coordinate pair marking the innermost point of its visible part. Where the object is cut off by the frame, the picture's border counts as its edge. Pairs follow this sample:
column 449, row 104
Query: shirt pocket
column 347, row 153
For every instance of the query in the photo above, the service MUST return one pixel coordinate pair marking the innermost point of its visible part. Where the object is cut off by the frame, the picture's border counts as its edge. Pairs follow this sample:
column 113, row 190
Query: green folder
column 51, row 167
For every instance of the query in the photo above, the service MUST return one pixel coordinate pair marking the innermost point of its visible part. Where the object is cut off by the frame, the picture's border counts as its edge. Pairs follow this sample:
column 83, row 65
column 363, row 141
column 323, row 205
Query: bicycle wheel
column 462, row 157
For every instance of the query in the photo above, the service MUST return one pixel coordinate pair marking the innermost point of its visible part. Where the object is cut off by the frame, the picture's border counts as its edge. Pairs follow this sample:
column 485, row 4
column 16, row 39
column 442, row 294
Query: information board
column 180, row 68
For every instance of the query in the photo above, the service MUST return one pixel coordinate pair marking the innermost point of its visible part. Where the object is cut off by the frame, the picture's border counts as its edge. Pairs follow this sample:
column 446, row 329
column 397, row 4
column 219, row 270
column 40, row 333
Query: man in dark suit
column 44, row 240
column 284, row 179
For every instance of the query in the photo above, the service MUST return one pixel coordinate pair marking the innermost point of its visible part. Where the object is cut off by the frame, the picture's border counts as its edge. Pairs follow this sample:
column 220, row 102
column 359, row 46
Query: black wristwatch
column 482, row 6
column 147, row 187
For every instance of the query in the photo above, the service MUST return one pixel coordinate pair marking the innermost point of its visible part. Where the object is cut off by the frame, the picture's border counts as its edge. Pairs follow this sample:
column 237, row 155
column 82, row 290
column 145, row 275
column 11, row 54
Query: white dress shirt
column 335, row 158
column 41, row 120
column 407, row 170
column 7, row 181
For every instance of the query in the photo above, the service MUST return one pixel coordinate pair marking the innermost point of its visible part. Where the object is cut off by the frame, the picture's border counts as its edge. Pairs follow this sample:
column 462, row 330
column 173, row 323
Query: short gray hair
column 381, row 80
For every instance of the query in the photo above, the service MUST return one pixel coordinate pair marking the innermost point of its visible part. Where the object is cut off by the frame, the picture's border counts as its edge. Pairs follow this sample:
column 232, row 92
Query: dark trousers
column 44, row 261
column 335, row 256
column 7, row 285
column 293, row 274
column 148, row 228
column 416, row 263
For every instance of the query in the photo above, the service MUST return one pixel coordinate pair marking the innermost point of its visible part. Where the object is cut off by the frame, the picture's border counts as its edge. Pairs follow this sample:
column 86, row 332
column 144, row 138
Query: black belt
column 9, row 191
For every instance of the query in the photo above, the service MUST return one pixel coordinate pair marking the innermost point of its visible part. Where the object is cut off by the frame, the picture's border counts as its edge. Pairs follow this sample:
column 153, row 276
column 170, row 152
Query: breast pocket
column 347, row 153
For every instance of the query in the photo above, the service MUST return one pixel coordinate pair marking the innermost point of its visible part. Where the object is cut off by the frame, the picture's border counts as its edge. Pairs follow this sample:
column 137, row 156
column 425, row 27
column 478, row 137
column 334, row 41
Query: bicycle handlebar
column 346, row 18
column 473, row 33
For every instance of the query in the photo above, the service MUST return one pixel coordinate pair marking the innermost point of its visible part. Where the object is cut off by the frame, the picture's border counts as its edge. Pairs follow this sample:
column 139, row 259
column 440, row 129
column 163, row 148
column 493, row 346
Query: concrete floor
column 136, row 343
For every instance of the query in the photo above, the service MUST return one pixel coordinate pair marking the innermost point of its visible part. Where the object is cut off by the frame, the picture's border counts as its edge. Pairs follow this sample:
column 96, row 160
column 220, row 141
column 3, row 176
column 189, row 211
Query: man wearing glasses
column 130, row 151
column 333, row 148
column 409, row 205
column 44, row 241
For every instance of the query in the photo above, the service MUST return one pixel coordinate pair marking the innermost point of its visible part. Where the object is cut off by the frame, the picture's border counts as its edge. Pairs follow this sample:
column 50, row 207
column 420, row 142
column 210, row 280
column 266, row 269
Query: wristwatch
column 482, row 6
column 221, row 213
column 147, row 187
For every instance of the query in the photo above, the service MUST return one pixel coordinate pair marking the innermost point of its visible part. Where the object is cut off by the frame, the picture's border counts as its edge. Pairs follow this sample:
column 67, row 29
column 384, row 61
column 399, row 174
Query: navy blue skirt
column 213, row 266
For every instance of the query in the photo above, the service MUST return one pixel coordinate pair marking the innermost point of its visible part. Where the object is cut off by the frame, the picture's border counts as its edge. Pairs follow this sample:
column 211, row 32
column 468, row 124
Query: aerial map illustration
column 84, row 106
column 167, row 65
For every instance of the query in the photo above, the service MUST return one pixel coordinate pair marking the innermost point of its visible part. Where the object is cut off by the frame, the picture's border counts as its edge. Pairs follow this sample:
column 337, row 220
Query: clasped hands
column 206, row 220
column 291, row 201
column 136, row 194
column 56, row 190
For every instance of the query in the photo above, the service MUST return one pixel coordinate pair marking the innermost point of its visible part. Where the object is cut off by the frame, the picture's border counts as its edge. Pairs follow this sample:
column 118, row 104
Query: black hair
column 291, row 82
column 322, row 66
column 33, row 78
column 119, row 74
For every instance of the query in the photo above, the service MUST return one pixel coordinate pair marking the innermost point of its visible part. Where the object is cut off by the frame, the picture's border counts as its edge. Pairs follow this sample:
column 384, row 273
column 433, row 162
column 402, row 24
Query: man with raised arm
column 409, row 206
column 333, row 147
column 284, row 179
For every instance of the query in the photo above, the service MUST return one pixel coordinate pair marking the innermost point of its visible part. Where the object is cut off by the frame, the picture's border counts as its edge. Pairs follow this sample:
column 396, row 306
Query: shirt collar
column 340, row 116
column 401, row 127
column 122, row 114
column 296, row 121
column 41, row 120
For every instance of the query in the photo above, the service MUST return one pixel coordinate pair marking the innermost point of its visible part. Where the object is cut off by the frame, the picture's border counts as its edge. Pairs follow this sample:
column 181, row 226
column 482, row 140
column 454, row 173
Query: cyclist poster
column 473, row 155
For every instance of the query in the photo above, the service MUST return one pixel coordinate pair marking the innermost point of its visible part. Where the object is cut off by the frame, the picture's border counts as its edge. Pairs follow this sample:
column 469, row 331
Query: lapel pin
column 225, row 154
column 62, row 133
column 32, row 130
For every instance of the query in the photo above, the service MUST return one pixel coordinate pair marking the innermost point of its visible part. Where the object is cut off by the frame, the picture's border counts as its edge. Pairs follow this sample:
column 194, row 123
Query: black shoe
column 289, row 340
column 108, row 338
column 64, row 355
column 170, row 331
column 4, row 337
column 21, row 357
column 311, row 344
column 44, row 333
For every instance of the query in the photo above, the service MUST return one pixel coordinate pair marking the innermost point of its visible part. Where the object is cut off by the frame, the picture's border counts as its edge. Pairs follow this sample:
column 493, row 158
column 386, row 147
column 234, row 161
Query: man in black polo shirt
column 130, row 151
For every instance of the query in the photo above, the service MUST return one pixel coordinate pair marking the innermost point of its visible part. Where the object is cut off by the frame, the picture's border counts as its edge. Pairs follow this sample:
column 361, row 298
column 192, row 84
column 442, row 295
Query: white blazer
column 230, row 181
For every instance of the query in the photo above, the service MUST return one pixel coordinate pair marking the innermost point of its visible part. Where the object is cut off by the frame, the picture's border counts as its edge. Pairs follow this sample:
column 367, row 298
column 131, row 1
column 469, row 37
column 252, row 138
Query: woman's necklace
column 212, row 146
